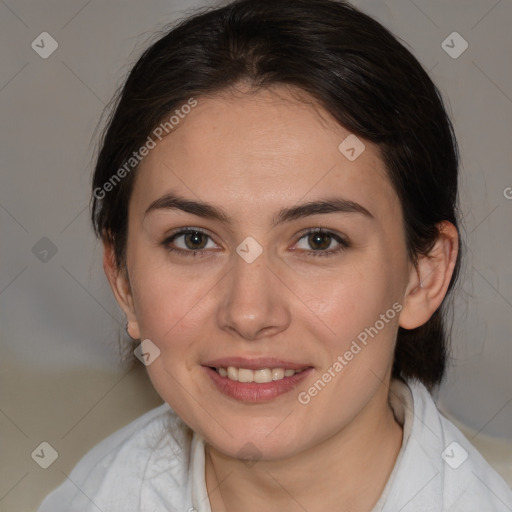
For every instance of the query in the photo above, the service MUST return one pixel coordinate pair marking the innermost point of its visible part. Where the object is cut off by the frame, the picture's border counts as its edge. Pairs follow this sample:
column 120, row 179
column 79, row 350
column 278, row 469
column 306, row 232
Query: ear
column 120, row 284
column 429, row 278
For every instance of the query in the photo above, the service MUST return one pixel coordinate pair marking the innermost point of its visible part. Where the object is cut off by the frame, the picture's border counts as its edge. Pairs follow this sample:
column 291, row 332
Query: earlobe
column 120, row 284
column 430, row 278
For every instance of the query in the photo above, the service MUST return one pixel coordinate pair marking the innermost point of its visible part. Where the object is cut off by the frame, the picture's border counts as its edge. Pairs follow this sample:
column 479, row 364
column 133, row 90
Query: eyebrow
column 209, row 211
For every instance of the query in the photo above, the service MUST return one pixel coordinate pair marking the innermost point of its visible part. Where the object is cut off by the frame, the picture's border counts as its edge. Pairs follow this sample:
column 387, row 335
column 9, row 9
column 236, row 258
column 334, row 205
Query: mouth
column 255, row 381
column 260, row 376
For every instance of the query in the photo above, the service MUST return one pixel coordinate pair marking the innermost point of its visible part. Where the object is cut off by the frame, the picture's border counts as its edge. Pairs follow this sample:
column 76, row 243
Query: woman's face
column 255, row 289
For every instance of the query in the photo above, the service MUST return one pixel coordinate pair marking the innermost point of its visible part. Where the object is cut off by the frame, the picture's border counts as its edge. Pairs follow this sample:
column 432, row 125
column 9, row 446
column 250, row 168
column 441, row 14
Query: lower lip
column 254, row 392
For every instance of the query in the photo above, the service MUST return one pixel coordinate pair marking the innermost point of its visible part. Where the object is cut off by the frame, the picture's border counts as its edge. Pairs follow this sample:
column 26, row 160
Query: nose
column 254, row 301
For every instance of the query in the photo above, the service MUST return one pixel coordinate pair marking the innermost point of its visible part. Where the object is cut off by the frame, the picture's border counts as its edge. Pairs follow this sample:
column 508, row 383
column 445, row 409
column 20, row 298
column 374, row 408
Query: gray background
column 61, row 380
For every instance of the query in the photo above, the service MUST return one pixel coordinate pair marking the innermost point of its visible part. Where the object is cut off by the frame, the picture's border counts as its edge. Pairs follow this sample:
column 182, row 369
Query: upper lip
column 255, row 363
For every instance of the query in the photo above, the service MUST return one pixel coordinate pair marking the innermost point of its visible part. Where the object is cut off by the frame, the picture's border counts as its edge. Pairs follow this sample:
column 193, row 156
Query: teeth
column 260, row 376
column 245, row 375
column 277, row 374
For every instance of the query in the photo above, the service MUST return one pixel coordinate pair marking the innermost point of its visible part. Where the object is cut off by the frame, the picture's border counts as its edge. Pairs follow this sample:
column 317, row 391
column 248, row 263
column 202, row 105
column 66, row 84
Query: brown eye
column 195, row 240
column 189, row 242
column 318, row 242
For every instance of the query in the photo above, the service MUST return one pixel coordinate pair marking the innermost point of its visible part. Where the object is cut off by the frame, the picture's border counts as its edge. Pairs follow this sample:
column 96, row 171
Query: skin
column 252, row 154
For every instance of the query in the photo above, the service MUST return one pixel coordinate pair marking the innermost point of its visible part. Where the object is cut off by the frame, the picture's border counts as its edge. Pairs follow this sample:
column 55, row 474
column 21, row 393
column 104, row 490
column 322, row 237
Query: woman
column 276, row 193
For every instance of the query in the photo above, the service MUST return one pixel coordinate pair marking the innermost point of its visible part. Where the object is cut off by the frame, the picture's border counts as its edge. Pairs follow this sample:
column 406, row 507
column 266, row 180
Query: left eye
column 319, row 241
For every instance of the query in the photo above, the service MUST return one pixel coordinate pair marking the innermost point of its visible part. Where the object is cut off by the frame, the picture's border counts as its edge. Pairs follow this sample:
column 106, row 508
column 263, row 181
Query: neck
column 350, row 468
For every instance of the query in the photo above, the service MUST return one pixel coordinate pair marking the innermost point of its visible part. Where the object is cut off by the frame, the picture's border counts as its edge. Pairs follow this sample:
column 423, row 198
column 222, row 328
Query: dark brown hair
column 352, row 66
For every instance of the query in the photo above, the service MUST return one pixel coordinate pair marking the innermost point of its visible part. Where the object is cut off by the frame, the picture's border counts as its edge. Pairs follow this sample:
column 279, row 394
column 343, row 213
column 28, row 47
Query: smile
column 260, row 376
column 255, row 380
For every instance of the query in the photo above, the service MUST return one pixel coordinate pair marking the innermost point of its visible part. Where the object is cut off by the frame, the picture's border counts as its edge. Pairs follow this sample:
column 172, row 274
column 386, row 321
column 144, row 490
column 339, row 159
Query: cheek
column 168, row 303
column 170, row 313
column 361, row 309
column 356, row 295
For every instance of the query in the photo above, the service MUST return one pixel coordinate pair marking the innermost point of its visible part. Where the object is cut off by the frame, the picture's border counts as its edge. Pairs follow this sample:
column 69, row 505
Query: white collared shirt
column 155, row 464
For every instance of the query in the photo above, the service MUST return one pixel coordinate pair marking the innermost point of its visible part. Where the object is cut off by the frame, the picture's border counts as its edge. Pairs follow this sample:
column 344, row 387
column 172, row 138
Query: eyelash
column 343, row 244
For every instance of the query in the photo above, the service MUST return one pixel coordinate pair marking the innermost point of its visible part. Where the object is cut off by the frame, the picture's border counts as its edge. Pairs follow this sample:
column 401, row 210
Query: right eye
column 188, row 242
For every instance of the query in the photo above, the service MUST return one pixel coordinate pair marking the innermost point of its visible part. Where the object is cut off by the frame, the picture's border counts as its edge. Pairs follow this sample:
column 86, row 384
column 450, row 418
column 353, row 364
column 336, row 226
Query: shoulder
column 440, row 469
column 123, row 470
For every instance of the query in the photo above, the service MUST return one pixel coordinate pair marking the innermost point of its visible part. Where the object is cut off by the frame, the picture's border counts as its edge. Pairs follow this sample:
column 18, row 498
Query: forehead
column 262, row 149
